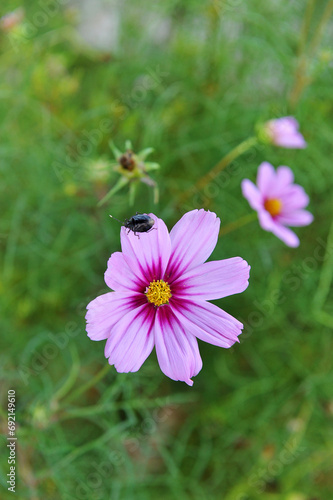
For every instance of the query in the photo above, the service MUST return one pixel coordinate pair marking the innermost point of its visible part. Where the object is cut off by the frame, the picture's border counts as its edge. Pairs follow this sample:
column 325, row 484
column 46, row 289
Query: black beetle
column 139, row 223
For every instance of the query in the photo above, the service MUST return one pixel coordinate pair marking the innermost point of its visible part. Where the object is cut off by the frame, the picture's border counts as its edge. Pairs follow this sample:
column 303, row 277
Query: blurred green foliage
column 190, row 79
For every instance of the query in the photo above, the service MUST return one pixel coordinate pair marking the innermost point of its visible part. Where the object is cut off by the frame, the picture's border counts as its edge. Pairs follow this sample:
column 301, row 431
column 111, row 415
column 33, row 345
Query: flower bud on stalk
column 132, row 169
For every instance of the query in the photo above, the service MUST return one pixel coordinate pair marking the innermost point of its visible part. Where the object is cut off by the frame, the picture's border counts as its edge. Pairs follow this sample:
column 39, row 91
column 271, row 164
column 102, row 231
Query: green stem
column 221, row 165
column 119, row 185
column 305, row 27
column 301, row 78
column 232, row 226
column 320, row 28
column 326, row 274
column 84, row 387
column 71, row 379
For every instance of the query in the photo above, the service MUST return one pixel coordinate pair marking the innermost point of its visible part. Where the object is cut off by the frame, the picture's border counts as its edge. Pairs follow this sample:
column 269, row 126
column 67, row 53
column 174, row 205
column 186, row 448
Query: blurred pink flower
column 10, row 20
column 284, row 132
column 161, row 288
column 278, row 201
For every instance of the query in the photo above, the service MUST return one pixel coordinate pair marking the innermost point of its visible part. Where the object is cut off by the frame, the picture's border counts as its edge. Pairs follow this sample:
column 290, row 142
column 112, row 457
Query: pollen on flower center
column 273, row 206
column 158, row 292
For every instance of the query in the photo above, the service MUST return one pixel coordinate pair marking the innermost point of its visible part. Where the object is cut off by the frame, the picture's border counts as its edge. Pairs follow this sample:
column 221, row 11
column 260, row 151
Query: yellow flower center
column 273, row 206
column 158, row 293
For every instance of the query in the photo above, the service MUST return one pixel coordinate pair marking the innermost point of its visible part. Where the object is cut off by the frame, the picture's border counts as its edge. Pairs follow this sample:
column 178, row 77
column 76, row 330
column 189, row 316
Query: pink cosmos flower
column 278, row 201
column 161, row 287
column 284, row 132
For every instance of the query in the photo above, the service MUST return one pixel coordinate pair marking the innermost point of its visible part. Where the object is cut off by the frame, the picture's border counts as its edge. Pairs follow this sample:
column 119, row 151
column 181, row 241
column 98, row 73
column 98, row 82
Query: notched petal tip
column 193, row 238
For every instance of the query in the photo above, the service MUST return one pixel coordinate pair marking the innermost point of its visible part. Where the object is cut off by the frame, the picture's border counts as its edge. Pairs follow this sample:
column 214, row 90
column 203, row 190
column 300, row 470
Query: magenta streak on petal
column 177, row 350
column 131, row 258
column 213, row 280
column 131, row 340
column 208, row 322
column 148, row 252
column 193, row 239
column 182, row 244
column 106, row 310
column 120, row 277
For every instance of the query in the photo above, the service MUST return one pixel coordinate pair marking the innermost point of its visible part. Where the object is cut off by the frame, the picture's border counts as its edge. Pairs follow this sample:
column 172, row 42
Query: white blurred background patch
column 98, row 23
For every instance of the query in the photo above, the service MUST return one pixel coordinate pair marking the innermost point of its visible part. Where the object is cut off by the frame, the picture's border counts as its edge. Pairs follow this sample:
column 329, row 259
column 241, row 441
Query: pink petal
column 120, row 277
column 147, row 253
column 296, row 218
column 266, row 178
column 285, row 133
column 294, row 198
column 252, row 194
column 286, row 123
column 208, row 322
column 291, row 141
column 285, row 234
column 214, row 280
column 193, row 239
column 265, row 220
column 177, row 350
column 106, row 310
column 284, row 177
column 131, row 340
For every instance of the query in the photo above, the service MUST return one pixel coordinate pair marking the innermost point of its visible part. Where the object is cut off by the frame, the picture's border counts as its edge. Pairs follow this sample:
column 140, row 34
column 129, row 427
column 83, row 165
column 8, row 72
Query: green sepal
column 151, row 166
column 128, row 145
column 144, row 153
column 119, row 185
column 117, row 154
